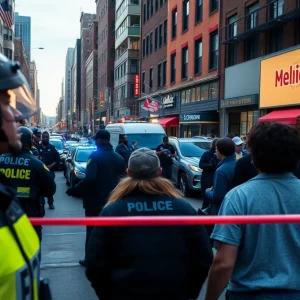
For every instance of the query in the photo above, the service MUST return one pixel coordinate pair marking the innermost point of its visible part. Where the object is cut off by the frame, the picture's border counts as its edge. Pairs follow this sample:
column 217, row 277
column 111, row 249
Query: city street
column 63, row 247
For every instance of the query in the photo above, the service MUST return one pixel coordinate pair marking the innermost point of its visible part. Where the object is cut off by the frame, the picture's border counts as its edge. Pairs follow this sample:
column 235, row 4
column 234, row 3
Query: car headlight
column 63, row 156
column 194, row 168
column 79, row 174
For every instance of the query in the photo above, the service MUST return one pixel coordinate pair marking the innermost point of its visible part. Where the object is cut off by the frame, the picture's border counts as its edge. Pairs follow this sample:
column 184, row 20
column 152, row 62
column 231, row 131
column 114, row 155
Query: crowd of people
column 159, row 262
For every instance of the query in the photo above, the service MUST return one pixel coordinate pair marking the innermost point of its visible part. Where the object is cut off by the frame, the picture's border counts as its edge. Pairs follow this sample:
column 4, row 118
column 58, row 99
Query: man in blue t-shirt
column 261, row 261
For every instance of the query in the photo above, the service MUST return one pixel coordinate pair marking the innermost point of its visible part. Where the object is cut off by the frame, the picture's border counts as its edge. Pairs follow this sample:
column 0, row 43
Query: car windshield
column 194, row 149
column 73, row 148
column 148, row 140
column 83, row 140
column 82, row 155
column 57, row 143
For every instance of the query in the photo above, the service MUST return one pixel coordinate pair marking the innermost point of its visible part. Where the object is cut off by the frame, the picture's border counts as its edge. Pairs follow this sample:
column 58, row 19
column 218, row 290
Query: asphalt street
column 63, row 247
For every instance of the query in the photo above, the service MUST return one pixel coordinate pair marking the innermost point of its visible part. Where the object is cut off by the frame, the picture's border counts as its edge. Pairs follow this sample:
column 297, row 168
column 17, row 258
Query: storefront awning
column 169, row 122
column 288, row 116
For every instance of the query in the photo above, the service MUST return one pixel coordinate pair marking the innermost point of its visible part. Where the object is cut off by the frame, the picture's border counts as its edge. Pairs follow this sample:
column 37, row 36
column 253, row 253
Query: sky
column 55, row 26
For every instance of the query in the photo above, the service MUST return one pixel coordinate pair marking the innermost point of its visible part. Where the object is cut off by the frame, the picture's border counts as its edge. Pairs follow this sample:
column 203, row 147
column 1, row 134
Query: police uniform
column 20, row 249
column 31, row 179
column 35, row 152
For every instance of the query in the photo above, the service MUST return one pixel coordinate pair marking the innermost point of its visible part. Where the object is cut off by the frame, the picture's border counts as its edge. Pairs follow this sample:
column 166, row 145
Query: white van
column 146, row 134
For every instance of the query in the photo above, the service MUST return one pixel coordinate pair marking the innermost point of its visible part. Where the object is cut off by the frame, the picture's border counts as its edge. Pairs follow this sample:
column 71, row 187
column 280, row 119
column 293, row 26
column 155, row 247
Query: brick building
column 153, row 55
column 86, row 21
column 192, row 68
column 20, row 55
column 259, row 42
column 106, row 59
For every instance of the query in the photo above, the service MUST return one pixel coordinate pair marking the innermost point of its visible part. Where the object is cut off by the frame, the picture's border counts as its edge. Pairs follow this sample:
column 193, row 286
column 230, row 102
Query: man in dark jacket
column 103, row 172
column 124, row 149
column 208, row 163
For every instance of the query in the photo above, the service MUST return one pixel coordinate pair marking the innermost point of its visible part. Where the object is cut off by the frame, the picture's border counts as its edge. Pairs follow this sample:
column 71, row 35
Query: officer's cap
column 102, row 134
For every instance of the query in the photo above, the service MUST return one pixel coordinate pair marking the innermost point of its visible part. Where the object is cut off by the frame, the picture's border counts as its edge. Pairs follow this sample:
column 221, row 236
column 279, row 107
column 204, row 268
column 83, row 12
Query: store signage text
column 229, row 103
column 136, row 91
column 169, row 101
column 191, row 117
column 290, row 77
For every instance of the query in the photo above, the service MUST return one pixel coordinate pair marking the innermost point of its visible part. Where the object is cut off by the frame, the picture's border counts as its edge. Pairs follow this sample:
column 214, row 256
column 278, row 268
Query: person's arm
column 239, row 176
column 206, row 162
column 173, row 153
column 45, row 180
column 221, row 270
column 158, row 151
column 56, row 158
column 220, row 189
column 98, row 260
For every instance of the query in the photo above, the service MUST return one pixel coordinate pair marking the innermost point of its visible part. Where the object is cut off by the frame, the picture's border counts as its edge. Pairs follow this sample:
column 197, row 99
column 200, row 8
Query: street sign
column 136, row 91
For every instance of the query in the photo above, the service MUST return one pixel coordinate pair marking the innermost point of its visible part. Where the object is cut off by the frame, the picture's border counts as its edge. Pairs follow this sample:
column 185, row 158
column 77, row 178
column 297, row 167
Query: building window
column 174, row 23
column 144, row 47
column 144, row 13
column 198, row 57
column 155, row 38
column 164, row 77
column 161, row 3
column 156, row 5
column 151, row 7
column 134, row 66
column 151, row 42
column 143, row 82
column 214, row 48
column 275, row 39
column 214, row 5
column 184, row 63
column 298, row 30
column 159, row 79
column 173, row 68
column 251, row 48
column 276, row 8
column 185, row 15
column 232, row 32
column 252, row 18
column 147, row 45
column 148, row 9
column 199, row 10
column 165, row 31
column 151, row 78
column 160, row 35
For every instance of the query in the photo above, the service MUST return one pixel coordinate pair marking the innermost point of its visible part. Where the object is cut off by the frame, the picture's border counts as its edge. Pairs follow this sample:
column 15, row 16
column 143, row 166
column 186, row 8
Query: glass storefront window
column 197, row 94
column 255, row 116
column 187, row 96
column 204, row 91
column 183, row 97
column 191, row 130
column 250, row 120
column 213, row 90
column 242, row 123
column 243, row 126
column 193, row 95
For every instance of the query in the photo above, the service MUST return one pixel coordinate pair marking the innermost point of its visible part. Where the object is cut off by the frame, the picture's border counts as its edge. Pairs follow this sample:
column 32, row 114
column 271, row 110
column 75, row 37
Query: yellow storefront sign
column 280, row 80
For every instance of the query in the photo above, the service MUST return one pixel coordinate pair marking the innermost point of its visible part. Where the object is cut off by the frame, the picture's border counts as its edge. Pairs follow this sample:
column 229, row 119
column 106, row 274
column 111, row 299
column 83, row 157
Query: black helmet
column 36, row 131
column 15, row 84
column 26, row 136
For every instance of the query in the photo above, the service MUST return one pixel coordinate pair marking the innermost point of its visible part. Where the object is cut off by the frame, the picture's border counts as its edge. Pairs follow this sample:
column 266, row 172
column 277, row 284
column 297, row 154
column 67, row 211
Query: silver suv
column 186, row 172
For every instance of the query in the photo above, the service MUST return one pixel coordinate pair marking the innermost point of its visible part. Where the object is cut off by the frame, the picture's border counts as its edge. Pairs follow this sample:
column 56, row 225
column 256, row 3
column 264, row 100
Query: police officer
column 50, row 157
column 19, row 250
column 29, row 176
column 37, row 136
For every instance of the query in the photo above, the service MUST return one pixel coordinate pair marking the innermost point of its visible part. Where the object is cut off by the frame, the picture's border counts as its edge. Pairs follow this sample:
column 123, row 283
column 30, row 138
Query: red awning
column 287, row 116
column 169, row 122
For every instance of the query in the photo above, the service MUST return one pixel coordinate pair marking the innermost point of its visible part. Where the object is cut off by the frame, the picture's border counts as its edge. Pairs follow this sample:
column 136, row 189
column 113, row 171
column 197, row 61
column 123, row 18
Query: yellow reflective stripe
column 27, row 236
column 23, row 192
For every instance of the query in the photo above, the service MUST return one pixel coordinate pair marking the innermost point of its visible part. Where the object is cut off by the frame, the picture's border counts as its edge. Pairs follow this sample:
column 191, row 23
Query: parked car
column 84, row 141
column 78, row 163
column 69, row 143
column 69, row 153
column 58, row 144
column 186, row 172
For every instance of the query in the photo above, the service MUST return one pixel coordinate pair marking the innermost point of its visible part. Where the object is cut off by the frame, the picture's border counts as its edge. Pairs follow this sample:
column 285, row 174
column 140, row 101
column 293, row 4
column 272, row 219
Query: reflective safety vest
column 19, row 256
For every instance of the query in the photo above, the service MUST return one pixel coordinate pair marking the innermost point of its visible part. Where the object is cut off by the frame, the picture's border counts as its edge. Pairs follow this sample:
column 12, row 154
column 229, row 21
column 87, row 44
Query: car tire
column 71, row 181
column 183, row 184
column 67, row 181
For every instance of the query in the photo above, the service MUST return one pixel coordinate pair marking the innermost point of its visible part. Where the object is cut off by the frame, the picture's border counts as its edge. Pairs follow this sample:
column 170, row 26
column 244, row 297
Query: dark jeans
column 50, row 199
column 89, row 229
column 167, row 172
column 264, row 295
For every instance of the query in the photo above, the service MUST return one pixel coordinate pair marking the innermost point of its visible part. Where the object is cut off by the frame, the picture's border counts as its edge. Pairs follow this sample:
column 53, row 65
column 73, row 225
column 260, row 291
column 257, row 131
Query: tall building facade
column 127, row 58
column 76, row 86
column 106, row 58
column 91, row 74
column 33, row 80
column 86, row 22
column 68, row 83
column 1, row 36
column 20, row 55
column 192, row 79
column 154, row 37
column 23, row 32
column 259, row 63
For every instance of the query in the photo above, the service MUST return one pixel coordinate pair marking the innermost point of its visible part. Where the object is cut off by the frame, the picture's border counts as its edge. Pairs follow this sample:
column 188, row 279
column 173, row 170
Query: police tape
column 167, row 221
